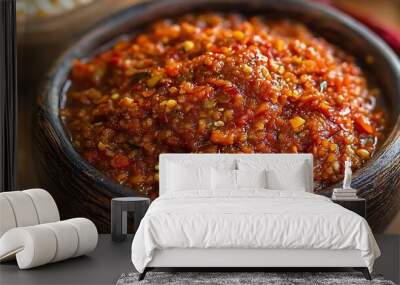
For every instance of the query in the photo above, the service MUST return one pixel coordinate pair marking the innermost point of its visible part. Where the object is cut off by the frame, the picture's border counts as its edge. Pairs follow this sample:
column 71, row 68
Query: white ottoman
column 31, row 232
column 37, row 245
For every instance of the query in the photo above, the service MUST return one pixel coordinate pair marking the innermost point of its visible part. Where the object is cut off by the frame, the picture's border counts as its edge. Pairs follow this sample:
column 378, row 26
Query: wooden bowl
column 81, row 190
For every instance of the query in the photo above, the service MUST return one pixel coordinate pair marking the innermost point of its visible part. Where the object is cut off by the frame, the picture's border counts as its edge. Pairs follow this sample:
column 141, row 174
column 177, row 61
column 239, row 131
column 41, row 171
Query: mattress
column 250, row 219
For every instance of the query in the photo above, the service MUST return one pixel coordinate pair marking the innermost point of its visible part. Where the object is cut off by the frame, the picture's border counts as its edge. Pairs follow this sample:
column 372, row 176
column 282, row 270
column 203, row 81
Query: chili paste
column 226, row 83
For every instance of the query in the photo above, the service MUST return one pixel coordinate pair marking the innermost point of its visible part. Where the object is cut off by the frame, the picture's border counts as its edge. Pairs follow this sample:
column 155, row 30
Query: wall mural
column 204, row 83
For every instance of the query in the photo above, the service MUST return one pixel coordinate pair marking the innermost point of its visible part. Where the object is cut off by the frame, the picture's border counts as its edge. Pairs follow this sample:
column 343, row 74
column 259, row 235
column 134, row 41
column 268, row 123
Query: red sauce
column 220, row 83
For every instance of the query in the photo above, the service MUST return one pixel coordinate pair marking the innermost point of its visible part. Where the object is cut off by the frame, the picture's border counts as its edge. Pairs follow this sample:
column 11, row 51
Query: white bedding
column 252, row 218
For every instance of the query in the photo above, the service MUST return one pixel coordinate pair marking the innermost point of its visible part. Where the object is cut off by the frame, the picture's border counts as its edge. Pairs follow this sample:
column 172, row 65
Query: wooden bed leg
column 364, row 271
column 143, row 274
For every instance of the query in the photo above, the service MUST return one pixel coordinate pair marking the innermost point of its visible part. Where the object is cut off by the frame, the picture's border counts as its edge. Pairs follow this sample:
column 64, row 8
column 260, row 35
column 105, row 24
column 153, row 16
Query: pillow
column 291, row 179
column 181, row 177
column 288, row 174
column 224, row 179
column 251, row 179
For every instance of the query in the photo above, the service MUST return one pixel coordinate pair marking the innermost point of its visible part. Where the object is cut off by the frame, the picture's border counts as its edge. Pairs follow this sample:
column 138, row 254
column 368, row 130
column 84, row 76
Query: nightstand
column 358, row 206
column 119, row 213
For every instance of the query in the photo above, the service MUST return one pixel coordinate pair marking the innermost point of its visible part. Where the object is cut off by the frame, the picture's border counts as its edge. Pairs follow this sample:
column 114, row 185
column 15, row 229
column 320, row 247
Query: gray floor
column 103, row 266
column 389, row 262
column 110, row 260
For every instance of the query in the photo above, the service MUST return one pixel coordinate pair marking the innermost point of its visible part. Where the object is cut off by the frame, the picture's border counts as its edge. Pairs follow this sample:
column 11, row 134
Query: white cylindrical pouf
column 87, row 234
column 67, row 239
column 45, row 205
column 31, row 232
column 7, row 218
column 23, row 208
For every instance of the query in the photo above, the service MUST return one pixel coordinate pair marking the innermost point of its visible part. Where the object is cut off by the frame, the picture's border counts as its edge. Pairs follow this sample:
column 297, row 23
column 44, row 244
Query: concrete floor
column 106, row 264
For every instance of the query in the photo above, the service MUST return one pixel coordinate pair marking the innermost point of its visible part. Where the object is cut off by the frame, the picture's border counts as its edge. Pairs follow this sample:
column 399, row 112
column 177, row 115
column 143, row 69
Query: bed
column 246, row 211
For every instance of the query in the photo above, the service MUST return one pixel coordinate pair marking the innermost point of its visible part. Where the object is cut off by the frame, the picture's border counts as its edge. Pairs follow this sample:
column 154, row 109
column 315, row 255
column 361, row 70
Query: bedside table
column 358, row 206
column 119, row 214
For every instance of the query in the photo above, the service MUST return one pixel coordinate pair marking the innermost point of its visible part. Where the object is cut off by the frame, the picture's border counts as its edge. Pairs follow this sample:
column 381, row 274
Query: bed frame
column 242, row 259
column 237, row 258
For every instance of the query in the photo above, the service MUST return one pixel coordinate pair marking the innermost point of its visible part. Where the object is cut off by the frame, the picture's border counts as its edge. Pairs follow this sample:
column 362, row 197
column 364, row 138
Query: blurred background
column 47, row 27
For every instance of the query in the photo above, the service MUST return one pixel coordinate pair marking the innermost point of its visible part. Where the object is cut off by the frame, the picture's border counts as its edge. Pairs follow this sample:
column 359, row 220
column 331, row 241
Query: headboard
column 229, row 160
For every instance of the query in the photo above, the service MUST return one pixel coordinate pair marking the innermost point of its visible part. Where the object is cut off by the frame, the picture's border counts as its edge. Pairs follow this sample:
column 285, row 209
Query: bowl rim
column 52, row 86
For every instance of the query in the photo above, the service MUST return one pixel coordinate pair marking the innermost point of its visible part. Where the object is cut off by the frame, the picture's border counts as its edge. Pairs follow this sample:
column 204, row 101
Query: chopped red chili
column 220, row 83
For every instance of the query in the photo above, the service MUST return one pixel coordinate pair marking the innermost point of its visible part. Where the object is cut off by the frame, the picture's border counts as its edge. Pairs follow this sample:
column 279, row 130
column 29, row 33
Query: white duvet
column 253, row 218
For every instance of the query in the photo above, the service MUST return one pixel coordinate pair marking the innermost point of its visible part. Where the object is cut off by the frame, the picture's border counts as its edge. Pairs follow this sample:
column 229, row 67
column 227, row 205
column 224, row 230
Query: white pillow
column 291, row 174
column 251, row 178
column 292, row 179
column 182, row 177
column 224, row 179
